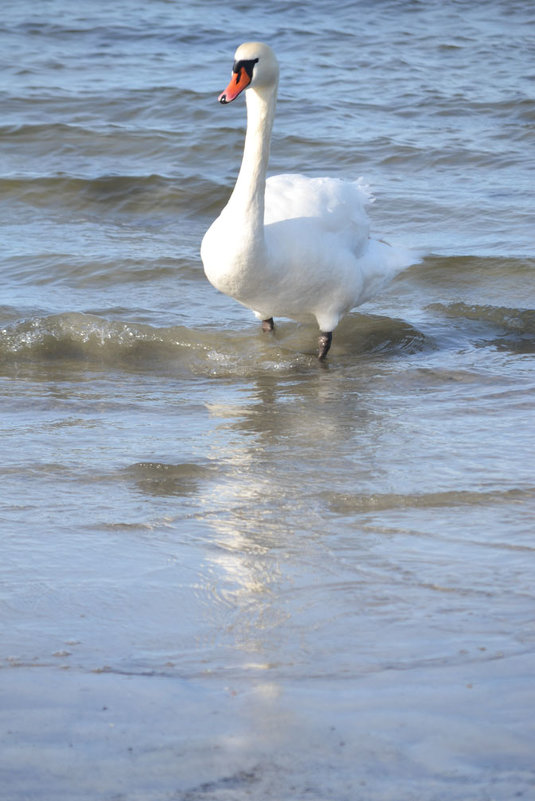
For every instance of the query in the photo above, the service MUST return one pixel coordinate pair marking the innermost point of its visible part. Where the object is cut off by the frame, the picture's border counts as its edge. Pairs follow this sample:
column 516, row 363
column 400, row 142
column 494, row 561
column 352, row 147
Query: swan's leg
column 268, row 325
column 326, row 337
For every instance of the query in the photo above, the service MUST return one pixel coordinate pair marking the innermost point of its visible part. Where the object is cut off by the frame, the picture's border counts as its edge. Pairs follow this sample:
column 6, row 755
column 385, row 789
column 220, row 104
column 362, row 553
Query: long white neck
column 247, row 199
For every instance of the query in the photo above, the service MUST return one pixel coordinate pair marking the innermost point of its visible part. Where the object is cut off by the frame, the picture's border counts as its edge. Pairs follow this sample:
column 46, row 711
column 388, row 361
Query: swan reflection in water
column 278, row 456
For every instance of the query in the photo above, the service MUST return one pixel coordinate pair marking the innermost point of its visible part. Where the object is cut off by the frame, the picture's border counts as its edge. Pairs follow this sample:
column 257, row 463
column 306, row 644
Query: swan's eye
column 247, row 65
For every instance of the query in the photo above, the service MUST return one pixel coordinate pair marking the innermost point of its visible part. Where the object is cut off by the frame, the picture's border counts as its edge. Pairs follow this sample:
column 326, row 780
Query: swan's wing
column 330, row 199
column 338, row 206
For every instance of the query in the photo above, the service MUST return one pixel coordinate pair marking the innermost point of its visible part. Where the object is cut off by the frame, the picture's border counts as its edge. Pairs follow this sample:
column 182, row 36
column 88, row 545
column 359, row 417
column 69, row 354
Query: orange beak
column 240, row 80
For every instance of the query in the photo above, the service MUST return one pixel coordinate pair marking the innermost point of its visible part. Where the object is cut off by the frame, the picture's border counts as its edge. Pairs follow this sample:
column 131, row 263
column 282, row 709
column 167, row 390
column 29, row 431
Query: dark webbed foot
column 325, row 339
column 268, row 325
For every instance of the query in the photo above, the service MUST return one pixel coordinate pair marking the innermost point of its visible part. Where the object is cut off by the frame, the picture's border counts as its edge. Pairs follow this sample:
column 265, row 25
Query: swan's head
column 255, row 65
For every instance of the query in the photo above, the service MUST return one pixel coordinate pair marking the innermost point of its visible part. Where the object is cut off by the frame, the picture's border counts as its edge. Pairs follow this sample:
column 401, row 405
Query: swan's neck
column 247, row 199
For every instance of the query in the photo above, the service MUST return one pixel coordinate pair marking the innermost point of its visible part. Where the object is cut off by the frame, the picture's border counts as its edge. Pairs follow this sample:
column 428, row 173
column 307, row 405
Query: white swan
column 291, row 246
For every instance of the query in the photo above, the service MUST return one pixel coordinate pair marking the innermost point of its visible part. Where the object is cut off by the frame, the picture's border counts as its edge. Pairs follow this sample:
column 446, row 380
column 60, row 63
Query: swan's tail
column 383, row 262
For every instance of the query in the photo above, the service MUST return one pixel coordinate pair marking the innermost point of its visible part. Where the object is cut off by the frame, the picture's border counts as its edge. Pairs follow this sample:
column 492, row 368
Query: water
column 226, row 571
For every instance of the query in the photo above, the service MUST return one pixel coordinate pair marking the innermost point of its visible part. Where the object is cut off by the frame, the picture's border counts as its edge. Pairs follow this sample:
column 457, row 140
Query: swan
column 291, row 246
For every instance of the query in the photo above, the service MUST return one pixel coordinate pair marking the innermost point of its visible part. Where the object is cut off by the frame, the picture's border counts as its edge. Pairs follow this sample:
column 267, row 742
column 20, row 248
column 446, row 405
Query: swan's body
column 291, row 246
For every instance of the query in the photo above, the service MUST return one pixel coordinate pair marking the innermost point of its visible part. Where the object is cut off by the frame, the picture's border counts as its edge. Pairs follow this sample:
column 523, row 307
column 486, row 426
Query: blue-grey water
column 226, row 572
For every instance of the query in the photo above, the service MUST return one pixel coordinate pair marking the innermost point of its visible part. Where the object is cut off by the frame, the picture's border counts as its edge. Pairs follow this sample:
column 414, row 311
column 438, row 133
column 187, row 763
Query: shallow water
column 229, row 572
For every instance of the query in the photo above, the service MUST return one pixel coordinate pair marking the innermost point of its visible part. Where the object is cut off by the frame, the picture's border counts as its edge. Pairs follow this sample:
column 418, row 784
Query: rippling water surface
column 228, row 572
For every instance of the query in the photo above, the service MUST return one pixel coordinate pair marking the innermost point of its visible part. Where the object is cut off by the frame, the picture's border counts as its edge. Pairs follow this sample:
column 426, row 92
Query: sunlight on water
column 229, row 571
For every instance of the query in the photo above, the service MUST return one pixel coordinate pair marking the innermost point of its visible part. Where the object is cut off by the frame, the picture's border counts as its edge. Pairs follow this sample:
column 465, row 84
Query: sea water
column 226, row 571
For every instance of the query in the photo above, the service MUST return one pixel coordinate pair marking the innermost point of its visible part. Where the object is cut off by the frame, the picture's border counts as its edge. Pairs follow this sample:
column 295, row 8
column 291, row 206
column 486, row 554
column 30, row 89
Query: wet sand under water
column 390, row 736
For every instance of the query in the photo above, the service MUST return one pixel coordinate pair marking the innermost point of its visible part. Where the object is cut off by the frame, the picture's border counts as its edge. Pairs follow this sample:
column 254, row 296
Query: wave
column 475, row 269
column 163, row 479
column 508, row 328
column 87, row 337
column 514, row 320
column 343, row 503
column 77, row 338
column 129, row 116
column 42, row 269
column 133, row 194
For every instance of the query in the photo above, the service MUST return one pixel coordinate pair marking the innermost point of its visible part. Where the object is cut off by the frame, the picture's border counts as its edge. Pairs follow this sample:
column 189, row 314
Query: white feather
column 293, row 246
